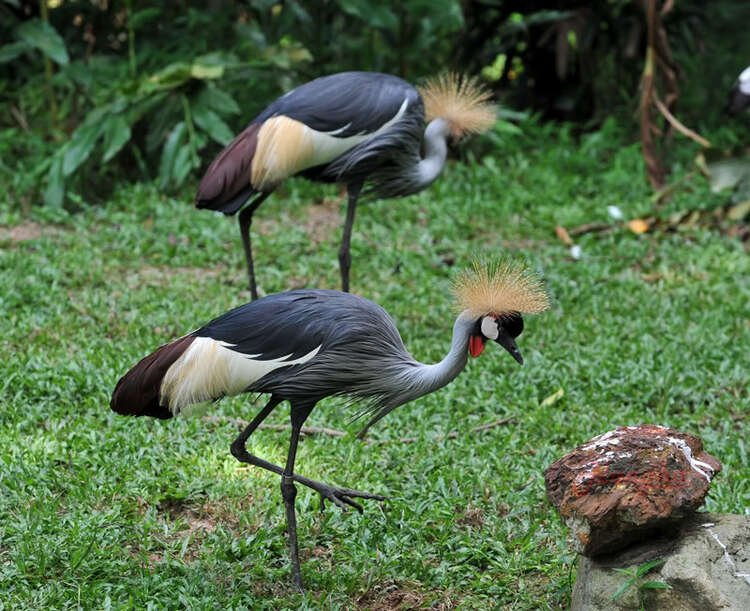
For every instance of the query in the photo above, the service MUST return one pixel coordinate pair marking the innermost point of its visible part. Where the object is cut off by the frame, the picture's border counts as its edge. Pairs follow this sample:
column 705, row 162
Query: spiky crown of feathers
column 499, row 287
column 462, row 101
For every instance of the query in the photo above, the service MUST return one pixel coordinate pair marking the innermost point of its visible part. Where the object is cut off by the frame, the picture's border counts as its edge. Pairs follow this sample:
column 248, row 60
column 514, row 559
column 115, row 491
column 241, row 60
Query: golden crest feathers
column 462, row 101
column 500, row 287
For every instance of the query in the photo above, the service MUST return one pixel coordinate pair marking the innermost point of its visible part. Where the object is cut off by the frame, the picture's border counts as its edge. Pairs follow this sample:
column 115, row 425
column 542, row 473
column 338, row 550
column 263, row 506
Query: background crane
column 305, row 345
column 350, row 128
column 739, row 97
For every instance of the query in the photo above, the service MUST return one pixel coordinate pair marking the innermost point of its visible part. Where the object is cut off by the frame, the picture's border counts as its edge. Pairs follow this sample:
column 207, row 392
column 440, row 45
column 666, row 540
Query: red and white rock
column 629, row 484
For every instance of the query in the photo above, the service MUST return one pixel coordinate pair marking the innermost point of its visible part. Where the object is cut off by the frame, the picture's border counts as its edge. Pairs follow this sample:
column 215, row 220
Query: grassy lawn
column 103, row 511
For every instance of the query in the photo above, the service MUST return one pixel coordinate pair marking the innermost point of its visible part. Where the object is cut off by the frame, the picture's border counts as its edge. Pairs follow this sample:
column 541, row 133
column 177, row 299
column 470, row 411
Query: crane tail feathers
column 227, row 183
column 137, row 392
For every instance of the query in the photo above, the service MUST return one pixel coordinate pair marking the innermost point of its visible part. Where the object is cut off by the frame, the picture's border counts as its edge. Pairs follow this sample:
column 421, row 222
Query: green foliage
column 120, row 512
column 151, row 104
column 40, row 35
column 634, row 575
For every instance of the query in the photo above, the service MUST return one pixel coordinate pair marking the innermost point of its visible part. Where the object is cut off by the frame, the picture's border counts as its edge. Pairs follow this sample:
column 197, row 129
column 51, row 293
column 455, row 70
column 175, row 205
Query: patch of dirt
column 322, row 219
column 473, row 517
column 180, row 510
column 27, row 231
column 389, row 596
column 159, row 274
column 503, row 509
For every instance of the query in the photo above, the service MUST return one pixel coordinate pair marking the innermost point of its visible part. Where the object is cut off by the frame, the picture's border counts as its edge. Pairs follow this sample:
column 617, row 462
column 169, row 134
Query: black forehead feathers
column 512, row 324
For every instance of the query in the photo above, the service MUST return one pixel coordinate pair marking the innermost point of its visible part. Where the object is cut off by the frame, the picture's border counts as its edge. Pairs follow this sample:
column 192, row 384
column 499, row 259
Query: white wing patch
column 326, row 146
column 286, row 146
column 209, row 369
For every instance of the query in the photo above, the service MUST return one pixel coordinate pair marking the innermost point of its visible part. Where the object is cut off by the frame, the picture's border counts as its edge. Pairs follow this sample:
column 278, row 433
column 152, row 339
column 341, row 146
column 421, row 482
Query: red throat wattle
column 476, row 345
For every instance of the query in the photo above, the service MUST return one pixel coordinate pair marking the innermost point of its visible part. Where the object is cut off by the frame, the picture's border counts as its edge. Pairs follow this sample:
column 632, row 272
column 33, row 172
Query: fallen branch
column 590, row 228
column 305, row 430
column 674, row 122
column 319, row 430
column 451, row 435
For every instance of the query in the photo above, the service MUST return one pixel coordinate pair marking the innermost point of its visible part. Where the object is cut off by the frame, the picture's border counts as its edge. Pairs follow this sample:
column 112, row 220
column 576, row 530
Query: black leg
column 341, row 497
column 289, row 492
column 345, row 257
column 245, row 220
column 338, row 496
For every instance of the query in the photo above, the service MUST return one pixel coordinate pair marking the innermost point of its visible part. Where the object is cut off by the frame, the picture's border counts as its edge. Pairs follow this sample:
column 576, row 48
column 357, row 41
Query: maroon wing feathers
column 229, row 174
column 137, row 392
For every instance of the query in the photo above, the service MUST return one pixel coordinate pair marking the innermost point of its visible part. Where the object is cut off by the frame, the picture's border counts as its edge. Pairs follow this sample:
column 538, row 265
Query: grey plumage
column 302, row 346
column 361, row 356
column 361, row 129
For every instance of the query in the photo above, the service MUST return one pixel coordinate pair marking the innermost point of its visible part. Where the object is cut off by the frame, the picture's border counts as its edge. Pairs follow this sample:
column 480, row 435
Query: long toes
column 361, row 495
column 356, row 506
column 335, row 500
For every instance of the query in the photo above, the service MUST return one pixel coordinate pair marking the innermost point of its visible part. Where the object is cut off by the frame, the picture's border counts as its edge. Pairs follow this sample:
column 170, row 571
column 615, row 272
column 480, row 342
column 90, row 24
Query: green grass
column 103, row 511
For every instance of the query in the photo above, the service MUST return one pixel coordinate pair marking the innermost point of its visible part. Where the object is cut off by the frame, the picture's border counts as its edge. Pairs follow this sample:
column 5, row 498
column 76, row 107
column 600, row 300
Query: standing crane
column 304, row 345
column 739, row 97
column 351, row 128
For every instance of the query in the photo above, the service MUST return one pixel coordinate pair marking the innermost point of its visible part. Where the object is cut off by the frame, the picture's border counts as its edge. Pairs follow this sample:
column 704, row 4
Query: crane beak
column 507, row 342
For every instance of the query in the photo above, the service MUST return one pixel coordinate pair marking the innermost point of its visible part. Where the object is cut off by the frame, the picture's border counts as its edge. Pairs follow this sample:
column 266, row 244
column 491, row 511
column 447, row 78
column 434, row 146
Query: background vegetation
column 113, row 111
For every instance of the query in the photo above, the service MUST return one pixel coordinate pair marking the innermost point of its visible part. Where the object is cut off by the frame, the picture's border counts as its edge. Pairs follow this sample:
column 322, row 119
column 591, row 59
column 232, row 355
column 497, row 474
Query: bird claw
column 341, row 497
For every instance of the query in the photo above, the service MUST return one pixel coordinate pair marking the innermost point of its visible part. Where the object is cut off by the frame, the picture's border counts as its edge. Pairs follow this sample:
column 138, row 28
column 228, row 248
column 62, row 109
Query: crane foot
column 341, row 497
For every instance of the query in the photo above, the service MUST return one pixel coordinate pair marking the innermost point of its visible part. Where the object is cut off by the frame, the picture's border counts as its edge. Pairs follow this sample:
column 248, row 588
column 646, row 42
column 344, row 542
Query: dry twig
column 674, row 122
column 319, row 430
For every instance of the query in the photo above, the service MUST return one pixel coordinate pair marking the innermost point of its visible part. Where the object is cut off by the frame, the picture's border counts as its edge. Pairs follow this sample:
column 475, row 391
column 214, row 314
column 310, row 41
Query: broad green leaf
column 13, row 50
column 624, row 586
column 206, row 71
column 374, row 14
column 138, row 18
column 646, row 567
column 80, row 146
column 655, row 585
column 168, row 154
column 55, row 191
column 170, row 77
column 44, row 37
column 116, row 134
column 218, row 100
column 183, row 163
column 212, row 124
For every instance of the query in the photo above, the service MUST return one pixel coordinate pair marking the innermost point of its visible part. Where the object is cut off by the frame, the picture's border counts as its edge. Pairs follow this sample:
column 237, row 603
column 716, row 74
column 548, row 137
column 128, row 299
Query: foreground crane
column 304, row 345
column 739, row 97
column 349, row 128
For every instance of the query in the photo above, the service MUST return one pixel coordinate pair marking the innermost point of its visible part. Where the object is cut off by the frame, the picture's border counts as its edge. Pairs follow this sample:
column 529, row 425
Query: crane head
column 739, row 97
column 502, row 329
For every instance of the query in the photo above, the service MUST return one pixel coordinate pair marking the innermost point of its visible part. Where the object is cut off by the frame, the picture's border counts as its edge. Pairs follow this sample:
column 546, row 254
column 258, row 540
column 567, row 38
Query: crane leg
column 345, row 256
column 245, row 220
column 341, row 497
column 289, row 492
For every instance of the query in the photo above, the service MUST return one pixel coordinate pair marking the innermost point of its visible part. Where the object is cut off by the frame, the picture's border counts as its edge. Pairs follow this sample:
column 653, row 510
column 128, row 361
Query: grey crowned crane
column 739, row 97
column 353, row 128
column 304, row 345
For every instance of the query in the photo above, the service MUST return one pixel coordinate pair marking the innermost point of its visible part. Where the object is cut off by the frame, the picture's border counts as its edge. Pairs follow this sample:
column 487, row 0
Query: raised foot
column 341, row 497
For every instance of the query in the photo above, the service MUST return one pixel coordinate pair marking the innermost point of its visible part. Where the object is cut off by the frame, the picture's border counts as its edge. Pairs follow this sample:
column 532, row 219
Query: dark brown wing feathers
column 137, row 392
column 229, row 174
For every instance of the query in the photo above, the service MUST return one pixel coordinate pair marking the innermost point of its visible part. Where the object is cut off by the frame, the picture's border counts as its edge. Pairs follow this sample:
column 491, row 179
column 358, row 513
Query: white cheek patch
column 745, row 81
column 489, row 327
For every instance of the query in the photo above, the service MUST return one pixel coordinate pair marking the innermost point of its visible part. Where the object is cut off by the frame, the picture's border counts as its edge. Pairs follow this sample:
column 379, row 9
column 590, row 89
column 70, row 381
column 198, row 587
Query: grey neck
column 428, row 378
column 436, row 150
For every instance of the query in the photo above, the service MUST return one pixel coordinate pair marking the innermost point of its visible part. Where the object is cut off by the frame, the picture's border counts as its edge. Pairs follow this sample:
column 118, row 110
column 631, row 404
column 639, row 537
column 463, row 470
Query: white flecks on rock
column 694, row 463
column 727, row 558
